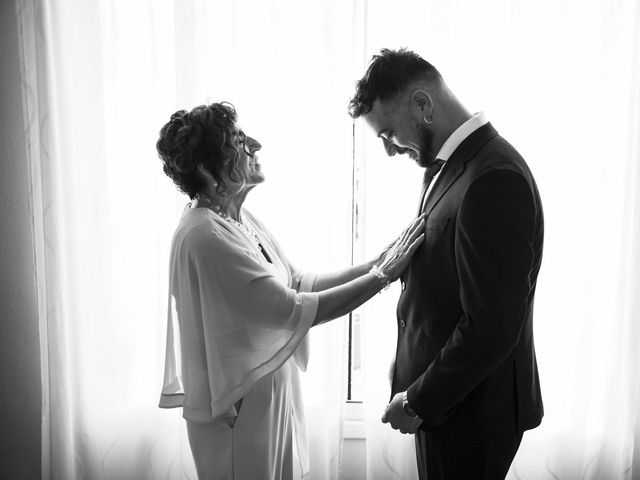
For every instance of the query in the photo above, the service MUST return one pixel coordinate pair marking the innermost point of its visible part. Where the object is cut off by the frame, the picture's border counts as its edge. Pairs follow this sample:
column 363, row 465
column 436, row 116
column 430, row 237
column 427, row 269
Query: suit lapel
column 456, row 164
column 422, row 194
column 450, row 173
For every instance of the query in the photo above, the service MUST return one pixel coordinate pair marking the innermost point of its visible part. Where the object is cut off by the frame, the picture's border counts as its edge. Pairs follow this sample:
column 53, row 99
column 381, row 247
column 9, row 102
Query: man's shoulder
column 498, row 156
column 498, row 150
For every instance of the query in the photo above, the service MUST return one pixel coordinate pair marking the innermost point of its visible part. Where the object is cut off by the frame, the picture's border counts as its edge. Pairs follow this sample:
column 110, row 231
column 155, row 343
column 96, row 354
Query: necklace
column 247, row 229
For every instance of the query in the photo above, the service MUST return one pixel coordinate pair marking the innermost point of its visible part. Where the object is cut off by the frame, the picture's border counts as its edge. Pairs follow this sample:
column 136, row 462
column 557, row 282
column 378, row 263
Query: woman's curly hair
column 204, row 136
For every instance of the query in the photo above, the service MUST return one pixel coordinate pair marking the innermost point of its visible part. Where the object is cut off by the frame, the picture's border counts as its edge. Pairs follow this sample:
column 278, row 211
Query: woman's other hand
column 396, row 258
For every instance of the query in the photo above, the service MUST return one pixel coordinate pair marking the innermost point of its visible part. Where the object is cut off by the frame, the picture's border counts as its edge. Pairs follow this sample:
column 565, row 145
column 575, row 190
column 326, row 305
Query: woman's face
column 248, row 165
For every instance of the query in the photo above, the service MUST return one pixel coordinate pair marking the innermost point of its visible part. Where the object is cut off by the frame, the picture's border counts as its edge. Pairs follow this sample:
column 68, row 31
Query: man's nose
column 390, row 147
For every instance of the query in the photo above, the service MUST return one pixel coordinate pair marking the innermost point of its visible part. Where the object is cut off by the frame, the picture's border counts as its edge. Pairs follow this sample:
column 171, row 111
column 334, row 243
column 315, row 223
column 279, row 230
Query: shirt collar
column 460, row 134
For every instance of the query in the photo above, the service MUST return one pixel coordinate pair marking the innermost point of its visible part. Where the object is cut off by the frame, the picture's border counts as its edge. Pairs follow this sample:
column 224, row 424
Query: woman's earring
column 428, row 120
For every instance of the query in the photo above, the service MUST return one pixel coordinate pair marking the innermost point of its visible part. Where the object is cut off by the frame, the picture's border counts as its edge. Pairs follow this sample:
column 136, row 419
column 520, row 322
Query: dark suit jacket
column 465, row 350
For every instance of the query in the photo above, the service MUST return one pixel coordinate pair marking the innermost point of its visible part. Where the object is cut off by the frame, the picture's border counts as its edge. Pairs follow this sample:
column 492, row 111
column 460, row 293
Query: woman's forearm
column 325, row 281
column 338, row 301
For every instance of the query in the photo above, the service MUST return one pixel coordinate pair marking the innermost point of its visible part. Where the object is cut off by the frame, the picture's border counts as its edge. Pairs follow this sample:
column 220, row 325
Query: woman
column 239, row 312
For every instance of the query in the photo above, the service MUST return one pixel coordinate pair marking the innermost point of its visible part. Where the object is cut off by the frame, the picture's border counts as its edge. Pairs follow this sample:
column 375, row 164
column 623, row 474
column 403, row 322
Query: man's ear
column 422, row 102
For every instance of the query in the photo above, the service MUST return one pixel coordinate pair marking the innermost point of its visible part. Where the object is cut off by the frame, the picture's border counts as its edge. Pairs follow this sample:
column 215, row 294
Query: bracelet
column 377, row 271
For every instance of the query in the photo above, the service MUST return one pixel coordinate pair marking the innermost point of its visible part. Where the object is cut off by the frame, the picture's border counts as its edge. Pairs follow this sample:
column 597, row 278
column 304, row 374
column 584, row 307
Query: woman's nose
column 254, row 144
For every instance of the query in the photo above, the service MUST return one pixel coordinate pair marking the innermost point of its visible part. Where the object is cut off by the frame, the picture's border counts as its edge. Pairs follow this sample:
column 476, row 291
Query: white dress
column 237, row 327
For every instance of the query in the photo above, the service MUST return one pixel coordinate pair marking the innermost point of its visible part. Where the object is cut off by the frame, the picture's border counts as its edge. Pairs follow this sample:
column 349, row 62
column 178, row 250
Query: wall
column 20, row 388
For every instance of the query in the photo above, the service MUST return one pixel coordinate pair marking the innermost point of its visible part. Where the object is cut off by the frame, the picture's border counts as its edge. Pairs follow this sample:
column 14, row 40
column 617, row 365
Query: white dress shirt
column 453, row 142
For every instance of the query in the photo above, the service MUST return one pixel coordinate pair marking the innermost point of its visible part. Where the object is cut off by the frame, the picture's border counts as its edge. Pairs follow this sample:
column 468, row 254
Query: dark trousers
column 444, row 459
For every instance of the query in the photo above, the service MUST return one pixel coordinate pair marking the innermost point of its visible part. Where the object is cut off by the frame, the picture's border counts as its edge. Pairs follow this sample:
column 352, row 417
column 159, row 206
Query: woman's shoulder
column 199, row 228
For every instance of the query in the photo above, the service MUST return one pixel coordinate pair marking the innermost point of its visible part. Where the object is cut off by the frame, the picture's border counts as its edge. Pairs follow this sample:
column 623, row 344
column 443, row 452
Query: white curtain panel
column 100, row 79
column 561, row 82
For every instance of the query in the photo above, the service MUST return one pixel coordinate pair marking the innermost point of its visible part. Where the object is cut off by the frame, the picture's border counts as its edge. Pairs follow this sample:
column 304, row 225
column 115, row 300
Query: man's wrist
column 406, row 407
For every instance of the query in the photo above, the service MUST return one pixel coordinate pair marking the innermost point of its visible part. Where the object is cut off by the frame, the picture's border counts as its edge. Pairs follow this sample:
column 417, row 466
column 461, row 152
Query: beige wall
column 20, row 389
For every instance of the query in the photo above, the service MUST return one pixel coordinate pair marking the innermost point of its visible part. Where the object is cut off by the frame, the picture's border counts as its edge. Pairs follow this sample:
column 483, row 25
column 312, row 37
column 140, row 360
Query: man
column 465, row 378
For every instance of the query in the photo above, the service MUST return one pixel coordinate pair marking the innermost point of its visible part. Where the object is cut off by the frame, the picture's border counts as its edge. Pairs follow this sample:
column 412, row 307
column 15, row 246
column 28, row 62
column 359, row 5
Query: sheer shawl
column 233, row 317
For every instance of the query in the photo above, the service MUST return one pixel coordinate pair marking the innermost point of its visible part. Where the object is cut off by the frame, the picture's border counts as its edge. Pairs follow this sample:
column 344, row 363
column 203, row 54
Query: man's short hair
column 389, row 73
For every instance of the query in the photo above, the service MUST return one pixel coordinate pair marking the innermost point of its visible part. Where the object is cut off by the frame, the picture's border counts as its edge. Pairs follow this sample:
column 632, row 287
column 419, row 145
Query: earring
column 428, row 120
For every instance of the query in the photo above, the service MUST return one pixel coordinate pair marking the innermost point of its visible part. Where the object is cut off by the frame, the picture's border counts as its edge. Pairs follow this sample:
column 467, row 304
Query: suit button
column 403, row 323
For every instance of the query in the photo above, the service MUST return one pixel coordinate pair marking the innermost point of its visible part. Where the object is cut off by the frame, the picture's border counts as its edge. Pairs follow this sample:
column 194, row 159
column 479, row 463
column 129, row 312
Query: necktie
column 431, row 171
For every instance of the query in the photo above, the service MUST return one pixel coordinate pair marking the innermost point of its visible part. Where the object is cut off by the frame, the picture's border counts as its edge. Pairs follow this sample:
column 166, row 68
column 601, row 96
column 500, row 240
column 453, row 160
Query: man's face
column 400, row 131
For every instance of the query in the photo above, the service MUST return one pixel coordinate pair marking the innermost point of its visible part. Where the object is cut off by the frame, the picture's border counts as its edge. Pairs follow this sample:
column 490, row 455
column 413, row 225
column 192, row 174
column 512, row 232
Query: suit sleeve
column 494, row 236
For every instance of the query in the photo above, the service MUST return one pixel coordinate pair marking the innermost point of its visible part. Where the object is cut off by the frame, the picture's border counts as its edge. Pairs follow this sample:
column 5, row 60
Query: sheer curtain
column 561, row 81
column 100, row 78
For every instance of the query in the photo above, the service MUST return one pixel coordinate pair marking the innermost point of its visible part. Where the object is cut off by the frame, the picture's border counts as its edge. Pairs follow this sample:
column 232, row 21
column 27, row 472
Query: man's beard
column 427, row 155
